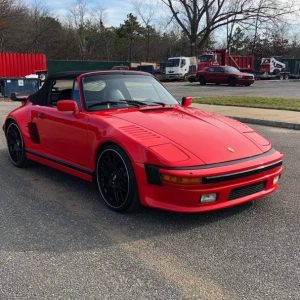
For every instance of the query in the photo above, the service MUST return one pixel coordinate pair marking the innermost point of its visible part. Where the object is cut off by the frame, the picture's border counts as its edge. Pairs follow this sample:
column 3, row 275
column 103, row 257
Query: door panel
column 210, row 75
column 219, row 75
column 63, row 135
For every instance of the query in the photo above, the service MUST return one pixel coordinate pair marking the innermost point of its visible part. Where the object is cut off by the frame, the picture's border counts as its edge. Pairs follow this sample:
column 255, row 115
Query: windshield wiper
column 132, row 102
column 156, row 103
column 146, row 102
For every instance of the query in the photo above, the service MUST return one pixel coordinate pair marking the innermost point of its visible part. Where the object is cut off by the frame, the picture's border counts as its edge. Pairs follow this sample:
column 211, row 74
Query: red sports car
column 124, row 129
column 224, row 75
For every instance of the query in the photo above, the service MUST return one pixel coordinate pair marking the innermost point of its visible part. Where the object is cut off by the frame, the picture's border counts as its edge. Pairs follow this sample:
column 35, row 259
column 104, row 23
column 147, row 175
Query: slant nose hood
column 209, row 139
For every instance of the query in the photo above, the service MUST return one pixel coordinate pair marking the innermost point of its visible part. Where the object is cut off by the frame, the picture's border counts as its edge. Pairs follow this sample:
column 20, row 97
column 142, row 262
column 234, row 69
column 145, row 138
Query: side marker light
column 275, row 180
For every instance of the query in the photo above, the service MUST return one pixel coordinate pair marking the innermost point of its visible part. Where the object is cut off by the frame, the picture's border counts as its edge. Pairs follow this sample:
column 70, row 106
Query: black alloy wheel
column 232, row 81
column 116, row 180
column 15, row 145
column 202, row 81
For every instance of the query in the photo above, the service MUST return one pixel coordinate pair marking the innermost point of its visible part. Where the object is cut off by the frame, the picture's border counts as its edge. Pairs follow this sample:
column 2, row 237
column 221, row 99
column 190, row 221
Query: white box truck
column 177, row 68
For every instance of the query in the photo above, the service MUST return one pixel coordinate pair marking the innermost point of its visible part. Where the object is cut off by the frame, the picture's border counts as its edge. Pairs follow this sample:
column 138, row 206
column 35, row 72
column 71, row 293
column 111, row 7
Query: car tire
column 116, row 179
column 232, row 81
column 15, row 145
column 202, row 81
column 191, row 79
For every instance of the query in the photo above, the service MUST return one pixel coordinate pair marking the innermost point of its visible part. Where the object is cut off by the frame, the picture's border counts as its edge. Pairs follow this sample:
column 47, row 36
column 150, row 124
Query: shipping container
column 292, row 65
column 55, row 66
column 21, row 64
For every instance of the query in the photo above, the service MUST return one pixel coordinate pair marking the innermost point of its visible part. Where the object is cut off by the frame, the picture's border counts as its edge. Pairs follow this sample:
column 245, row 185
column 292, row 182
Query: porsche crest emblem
column 230, row 149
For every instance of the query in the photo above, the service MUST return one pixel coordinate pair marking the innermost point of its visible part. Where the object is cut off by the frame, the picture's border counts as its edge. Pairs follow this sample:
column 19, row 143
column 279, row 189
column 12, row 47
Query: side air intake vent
column 139, row 132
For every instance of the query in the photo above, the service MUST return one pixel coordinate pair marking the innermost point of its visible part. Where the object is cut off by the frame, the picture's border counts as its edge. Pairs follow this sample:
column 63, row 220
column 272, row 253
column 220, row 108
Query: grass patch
column 257, row 102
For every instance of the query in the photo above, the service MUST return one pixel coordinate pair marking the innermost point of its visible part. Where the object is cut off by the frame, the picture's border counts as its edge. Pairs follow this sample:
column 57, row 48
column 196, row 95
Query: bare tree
column 79, row 15
column 36, row 26
column 146, row 12
column 10, row 13
column 199, row 18
column 5, row 11
column 99, row 17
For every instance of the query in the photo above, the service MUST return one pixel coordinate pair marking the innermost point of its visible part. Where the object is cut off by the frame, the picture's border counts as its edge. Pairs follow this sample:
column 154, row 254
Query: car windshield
column 173, row 62
column 103, row 91
column 232, row 70
column 206, row 57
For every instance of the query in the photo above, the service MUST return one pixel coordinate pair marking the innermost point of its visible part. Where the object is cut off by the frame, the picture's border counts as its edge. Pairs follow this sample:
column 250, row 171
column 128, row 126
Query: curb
column 271, row 123
column 268, row 123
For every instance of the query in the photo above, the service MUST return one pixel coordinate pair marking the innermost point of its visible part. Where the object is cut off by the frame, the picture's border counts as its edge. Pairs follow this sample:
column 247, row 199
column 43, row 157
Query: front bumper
column 174, row 76
column 191, row 77
column 186, row 198
column 243, row 81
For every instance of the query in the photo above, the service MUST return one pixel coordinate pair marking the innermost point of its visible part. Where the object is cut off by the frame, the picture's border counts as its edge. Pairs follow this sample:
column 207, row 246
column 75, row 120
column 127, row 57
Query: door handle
column 41, row 116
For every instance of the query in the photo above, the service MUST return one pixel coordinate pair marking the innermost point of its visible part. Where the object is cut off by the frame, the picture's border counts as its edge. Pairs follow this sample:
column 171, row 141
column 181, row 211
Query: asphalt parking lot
column 59, row 242
column 263, row 88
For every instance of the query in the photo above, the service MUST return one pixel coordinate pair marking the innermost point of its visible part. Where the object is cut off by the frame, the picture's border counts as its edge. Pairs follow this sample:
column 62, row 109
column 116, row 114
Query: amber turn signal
column 181, row 180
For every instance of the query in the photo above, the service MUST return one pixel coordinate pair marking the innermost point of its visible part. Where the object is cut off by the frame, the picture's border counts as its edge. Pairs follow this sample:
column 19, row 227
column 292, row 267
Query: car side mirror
column 186, row 101
column 67, row 105
column 18, row 97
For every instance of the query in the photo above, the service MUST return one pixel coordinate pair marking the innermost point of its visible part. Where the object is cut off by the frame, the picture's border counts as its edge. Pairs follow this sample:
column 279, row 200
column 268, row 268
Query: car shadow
column 49, row 211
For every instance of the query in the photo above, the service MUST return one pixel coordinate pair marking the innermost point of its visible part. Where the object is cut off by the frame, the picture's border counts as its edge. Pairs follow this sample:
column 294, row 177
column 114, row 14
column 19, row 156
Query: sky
column 115, row 10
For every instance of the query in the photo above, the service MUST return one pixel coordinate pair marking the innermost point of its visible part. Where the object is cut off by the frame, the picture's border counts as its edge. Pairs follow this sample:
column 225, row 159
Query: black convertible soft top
column 41, row 96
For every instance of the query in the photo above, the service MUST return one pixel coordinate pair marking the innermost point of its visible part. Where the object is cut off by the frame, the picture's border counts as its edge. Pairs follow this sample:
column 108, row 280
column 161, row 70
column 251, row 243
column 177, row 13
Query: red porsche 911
column 124, row 129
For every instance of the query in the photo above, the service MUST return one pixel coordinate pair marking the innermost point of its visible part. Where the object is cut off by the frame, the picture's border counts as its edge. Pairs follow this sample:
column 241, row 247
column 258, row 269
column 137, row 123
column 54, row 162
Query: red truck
column 221, row 57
